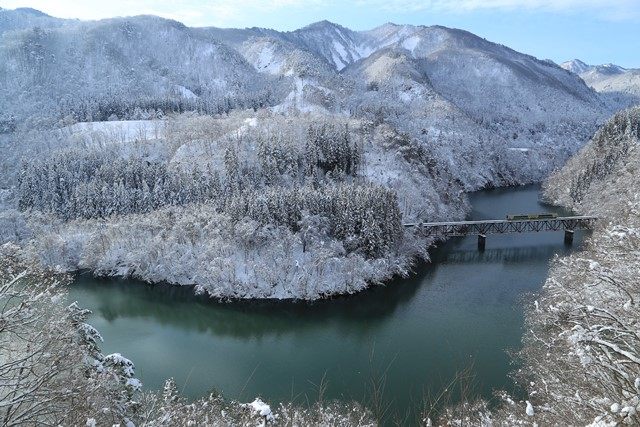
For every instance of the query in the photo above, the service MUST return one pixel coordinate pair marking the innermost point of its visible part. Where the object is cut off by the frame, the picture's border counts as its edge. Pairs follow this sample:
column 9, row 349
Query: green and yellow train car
column 525, row 217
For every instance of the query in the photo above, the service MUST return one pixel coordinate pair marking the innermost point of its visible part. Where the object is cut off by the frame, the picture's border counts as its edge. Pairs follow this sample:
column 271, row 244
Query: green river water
column 462, row 311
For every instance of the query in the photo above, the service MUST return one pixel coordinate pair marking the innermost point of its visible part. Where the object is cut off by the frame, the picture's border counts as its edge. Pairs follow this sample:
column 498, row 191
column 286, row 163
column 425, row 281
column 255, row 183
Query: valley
column 413, row 336
column 227, row 207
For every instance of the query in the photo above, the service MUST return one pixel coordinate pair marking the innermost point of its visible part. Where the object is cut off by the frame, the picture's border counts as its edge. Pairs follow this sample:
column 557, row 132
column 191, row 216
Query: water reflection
column 498, row 255
column 180, row 307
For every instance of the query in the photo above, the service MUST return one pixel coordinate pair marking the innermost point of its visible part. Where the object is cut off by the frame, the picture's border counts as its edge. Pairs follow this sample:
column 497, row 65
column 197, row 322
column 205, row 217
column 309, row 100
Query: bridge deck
column 499, row 221
column 500, row 226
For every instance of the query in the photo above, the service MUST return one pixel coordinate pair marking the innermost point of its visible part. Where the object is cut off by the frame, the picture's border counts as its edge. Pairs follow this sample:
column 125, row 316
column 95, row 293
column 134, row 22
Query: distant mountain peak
column 610, row 68
column 576, row 66
column 338, row 45
column 320, row 25
column 31, row 11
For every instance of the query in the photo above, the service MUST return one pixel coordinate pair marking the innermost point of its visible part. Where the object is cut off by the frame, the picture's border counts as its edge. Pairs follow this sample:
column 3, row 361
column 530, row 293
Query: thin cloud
column 229, row 13
column 613, row 9
column 190, row 12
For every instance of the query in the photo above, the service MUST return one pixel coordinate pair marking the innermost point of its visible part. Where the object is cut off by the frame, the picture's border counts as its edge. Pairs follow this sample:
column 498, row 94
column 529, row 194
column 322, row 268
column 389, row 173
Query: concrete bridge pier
column 482, row 241
column 568, row 237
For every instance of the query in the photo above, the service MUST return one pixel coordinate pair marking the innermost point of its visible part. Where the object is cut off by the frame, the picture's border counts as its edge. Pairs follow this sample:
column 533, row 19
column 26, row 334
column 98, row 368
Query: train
column 531, row 216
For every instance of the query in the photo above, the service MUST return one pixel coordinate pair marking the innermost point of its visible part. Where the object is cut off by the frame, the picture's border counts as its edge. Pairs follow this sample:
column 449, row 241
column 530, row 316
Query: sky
column 595, row 31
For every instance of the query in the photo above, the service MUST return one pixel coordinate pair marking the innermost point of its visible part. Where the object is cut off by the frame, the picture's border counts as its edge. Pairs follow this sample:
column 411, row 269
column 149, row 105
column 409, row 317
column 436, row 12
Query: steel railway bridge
column 443, row 230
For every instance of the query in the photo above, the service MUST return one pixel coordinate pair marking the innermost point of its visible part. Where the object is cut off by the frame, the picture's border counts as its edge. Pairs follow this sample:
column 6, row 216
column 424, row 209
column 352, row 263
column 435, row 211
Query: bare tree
column 51, row 370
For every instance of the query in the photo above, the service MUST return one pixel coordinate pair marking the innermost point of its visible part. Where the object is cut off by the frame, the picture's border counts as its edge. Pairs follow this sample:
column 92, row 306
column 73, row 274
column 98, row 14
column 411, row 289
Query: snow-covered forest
column 256, row 163
column 582, row 348
column 244, row 202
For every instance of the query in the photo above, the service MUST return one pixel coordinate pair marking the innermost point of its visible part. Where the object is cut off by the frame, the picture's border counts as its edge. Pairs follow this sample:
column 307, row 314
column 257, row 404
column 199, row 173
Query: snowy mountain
column 619, row 86
column 124, row 61
column 21, row 18
column 486, row 80
column 322, row 67
column 612, row 79
column 576, row 66
column 595, row 71
column 339, row 46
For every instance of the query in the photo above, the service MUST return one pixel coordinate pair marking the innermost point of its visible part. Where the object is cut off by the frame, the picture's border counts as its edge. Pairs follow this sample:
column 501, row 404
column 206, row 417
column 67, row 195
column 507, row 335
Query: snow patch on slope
column 340, row 50
column 266, row 62
column 186, row 93
column 120, row 131
column 337, row 61
column 411, row 43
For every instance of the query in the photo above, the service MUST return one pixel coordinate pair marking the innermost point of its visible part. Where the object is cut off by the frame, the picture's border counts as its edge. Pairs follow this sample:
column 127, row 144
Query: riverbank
column 54, row 371
column 409, row 338
column 460, row 311
column 586, row 326
column 581, row 349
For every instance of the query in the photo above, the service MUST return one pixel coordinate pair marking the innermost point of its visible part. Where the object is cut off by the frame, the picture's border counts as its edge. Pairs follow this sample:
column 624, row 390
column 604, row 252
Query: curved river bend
column 461, row 311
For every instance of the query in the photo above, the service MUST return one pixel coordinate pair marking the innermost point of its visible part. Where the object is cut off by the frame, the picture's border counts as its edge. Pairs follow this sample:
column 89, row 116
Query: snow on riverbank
column 581, row 355
column 195, row 245
column 245, row 207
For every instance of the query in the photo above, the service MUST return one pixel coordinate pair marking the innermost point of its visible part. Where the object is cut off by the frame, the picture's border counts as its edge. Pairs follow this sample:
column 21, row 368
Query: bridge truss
column 484, row 227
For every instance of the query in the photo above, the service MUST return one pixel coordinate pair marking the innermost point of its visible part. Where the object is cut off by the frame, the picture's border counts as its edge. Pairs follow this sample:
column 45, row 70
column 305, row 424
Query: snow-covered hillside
column 587, row 313
column 24, row 17
column 339, row 46
column 94, row 69
column 233, row 158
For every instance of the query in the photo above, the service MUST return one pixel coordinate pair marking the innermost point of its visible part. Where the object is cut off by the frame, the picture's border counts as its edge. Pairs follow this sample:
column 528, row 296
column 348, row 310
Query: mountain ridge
column 115, row 65
column 619, row 86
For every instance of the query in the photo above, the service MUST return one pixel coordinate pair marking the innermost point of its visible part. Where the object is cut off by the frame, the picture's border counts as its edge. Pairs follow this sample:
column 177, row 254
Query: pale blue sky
column 596, row 31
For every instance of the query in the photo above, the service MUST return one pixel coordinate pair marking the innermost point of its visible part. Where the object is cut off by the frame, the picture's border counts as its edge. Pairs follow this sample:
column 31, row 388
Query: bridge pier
column 568, row 237
column 482, row 241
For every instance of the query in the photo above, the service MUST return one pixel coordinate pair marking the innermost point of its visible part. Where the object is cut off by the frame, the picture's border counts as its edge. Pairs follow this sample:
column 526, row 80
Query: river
column 409, row 338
